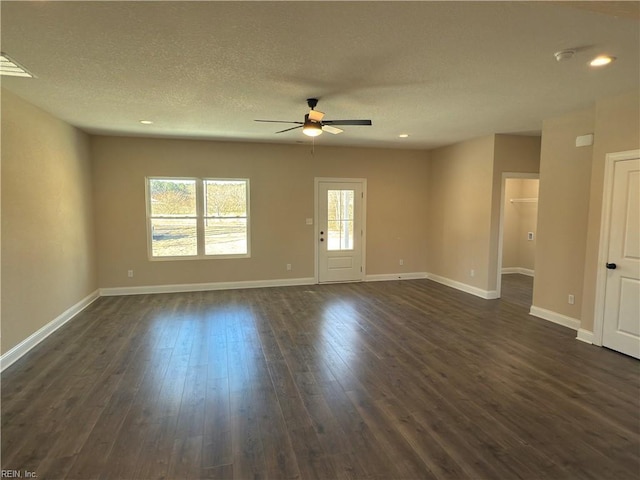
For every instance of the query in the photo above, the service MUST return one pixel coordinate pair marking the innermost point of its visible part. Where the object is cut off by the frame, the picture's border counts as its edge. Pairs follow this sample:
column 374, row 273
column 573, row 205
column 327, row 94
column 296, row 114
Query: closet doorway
column 518, row 232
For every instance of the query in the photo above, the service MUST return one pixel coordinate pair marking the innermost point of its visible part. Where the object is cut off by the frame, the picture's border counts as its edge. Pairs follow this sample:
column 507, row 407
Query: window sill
column 199, row 257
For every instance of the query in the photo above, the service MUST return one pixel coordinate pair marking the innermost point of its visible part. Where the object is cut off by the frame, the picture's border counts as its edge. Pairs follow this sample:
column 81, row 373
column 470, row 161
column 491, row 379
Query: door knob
column 611, row 266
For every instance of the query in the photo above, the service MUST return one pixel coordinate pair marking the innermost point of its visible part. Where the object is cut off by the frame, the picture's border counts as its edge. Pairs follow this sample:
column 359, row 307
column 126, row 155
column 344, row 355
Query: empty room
column 320, row 240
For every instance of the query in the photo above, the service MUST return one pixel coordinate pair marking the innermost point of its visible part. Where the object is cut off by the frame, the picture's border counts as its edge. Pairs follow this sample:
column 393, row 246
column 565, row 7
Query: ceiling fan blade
column 347, row 122
column 330, row 129
column 287, row 129
column 278, row 121
column 315, row 115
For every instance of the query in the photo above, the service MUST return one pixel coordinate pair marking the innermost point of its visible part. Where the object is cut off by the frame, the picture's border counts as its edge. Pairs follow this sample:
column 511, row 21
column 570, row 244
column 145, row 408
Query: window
column 198, row 218
column 225, row 221
column 340, row 216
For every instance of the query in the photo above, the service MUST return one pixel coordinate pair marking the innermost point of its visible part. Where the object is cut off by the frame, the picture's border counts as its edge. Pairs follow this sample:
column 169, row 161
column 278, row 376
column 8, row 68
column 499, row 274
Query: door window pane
column 340, row 212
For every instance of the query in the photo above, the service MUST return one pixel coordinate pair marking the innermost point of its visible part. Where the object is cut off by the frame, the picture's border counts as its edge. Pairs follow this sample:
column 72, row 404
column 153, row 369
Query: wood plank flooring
column 381, row 380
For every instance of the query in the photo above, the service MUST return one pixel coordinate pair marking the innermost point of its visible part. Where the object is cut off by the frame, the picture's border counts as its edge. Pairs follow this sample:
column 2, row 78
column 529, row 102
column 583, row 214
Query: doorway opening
column 518, row 233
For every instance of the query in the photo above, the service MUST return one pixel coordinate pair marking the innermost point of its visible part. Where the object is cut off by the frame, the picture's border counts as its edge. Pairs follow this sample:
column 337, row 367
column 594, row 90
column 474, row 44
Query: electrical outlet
column 572, row 299
column 472, row 273
column 130, row 273
column 530, row 236
column 288, row 267
column 401, row 262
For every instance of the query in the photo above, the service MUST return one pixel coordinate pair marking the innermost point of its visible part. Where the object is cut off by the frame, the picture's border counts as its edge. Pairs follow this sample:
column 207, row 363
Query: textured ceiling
column 440, row 71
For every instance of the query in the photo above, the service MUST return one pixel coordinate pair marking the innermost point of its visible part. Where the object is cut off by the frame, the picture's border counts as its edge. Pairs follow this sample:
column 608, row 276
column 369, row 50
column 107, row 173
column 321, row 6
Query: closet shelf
column 523, row 200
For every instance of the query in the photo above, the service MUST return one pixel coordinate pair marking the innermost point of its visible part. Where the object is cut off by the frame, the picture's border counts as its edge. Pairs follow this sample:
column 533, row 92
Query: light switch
column 309, row 221
column 530, row 236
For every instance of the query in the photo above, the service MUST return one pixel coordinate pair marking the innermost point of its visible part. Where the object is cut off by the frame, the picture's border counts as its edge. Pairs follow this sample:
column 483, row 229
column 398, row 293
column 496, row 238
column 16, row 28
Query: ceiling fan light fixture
column 312, row 129
column 313, row 124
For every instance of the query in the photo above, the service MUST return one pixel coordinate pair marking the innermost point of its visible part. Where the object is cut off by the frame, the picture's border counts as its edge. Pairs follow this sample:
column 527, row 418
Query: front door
column 621, row 327
column 340, row 230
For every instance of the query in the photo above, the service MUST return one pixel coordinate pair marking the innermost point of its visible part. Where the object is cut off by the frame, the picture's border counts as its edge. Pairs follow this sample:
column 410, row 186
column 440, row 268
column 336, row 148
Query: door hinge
column 360, row 269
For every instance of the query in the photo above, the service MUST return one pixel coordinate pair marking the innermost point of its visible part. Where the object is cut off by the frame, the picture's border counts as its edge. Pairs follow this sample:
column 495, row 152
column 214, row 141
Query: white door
column 621, row 327
column 340, row 230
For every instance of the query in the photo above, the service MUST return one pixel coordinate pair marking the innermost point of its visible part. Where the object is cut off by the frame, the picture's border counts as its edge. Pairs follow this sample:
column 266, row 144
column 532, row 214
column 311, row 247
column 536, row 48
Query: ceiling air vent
column 10, row 67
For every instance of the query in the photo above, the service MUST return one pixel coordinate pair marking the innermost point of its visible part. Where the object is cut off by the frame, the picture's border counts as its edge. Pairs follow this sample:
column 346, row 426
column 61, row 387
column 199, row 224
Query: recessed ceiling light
column 403, row 135
column 146, row 122
column 602, row 60
column 10, row 67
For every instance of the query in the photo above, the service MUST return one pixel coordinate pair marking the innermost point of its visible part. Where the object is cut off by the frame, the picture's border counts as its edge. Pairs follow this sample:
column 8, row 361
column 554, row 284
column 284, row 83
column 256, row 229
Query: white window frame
column 200, row 220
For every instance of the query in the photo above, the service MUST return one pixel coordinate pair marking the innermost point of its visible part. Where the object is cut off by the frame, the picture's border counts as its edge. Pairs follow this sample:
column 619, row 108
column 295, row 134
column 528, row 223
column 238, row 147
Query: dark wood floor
column 383, row 380
column 518, row 290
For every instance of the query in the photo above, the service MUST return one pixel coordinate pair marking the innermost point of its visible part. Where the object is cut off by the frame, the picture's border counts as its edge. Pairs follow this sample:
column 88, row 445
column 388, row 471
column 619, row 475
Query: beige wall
column 282, row 186
column 520, row 218
column 570, row 207
column 459, row 211
column 465, row 188
column 48, row 252
column 563, row 209
column 617, row 129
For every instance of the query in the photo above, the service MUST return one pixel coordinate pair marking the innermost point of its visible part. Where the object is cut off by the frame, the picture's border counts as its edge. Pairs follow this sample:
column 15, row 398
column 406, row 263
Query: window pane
column 333, row 205
column 340, row 209
column 225, row 198
column 173, row 237
column 340, row 235
column 172, row 197
column 340, row 204
column 225, row 236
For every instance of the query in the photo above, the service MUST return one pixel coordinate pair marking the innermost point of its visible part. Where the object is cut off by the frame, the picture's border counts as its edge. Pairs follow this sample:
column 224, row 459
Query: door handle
column 611, row 266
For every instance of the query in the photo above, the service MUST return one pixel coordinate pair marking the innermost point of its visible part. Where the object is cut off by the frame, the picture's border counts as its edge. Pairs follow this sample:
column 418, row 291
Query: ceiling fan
column 314, row 124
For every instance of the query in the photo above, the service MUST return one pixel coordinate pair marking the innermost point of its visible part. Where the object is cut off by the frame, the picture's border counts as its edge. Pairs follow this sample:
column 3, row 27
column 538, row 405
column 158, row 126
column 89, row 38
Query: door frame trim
column 603, row 250
column 316, row 184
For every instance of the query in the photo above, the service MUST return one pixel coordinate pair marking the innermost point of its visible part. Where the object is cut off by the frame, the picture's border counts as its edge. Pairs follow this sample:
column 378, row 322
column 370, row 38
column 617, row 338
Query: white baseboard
column 478, row 292
column 10, row 357
column 522, row 271
column 554, row 317
column 201, row 287
column 383, row 277
column 585, row 336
